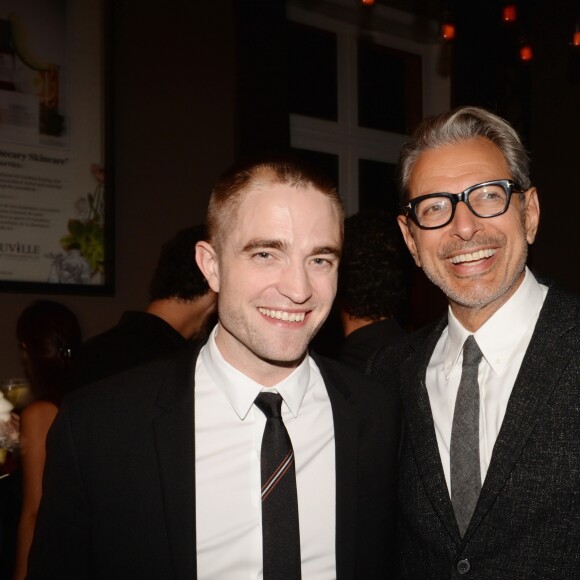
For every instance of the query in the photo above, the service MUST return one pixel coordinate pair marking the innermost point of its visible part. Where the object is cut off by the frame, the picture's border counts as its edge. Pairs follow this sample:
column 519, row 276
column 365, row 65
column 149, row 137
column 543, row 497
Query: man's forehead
column 454, row 167
column 274, row 194
column 284, row 216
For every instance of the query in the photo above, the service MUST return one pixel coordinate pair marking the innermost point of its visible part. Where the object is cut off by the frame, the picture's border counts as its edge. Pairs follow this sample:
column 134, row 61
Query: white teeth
column 487, row 253
column 283, row 315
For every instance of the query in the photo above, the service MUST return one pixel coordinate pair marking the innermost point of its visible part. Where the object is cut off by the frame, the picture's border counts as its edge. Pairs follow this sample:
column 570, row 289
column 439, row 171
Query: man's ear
column 207, row 260
column 409, row 238
column 531, row 214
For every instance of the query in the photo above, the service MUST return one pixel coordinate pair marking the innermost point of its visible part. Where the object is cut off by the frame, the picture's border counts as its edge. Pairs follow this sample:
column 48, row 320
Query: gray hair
column 459, row 125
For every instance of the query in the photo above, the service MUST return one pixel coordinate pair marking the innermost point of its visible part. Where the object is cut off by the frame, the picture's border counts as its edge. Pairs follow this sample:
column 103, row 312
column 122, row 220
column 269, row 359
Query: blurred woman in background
column 49, row 336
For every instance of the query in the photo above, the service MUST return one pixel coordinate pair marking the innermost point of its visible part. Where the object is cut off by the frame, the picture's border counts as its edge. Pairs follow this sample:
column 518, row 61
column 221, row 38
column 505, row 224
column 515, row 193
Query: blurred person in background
column 372, row 285
column 181, row 309
column 49, row 336
column 10, row 486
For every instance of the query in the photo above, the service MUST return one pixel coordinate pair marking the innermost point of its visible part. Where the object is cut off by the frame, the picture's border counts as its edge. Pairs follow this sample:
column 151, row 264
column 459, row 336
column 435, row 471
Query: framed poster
column 56, row 230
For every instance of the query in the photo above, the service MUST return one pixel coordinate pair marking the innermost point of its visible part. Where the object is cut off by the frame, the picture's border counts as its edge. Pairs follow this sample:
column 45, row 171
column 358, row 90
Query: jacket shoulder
column 564, row 301
column 355, row 387
column 386, row 362
column 138, row 385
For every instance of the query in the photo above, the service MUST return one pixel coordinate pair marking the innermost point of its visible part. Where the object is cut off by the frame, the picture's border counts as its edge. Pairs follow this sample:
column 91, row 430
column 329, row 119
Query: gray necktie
column 465, row 467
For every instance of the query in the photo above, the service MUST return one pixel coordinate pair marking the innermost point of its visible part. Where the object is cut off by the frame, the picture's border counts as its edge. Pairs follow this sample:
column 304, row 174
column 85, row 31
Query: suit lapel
column 175, row 446
column 346, row 422
column 420, row 426
column 546, row 359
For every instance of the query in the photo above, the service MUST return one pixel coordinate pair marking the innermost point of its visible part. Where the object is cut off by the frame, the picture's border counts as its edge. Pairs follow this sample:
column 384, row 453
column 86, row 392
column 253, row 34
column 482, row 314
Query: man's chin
column 283, row 361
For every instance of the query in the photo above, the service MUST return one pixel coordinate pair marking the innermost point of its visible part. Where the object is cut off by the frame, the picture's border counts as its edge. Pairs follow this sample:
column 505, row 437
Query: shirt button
column 463, row 566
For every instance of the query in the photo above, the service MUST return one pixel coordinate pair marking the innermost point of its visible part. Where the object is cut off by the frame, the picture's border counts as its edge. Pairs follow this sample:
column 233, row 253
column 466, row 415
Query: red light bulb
column 447, row 31
column 526, row 53
column 509, row 13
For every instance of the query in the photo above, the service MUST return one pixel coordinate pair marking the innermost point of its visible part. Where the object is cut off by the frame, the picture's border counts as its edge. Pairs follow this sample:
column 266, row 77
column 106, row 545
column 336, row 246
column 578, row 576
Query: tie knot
column 270, row 404
column 471, row 352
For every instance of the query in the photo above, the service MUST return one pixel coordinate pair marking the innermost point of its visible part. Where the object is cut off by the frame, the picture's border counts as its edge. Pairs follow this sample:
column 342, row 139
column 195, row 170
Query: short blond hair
column 227, row 194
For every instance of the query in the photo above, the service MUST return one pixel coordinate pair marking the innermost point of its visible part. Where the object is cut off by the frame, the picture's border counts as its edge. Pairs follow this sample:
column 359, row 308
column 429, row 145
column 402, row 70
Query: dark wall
column 555, row 140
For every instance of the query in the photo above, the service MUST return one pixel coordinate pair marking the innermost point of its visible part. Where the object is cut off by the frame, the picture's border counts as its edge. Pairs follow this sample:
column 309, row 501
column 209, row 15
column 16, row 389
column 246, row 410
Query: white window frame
column 344, row 138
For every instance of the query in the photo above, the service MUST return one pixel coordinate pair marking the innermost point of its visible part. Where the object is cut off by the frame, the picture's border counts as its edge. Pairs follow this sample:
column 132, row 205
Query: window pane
column 389, row 88
column 312, row 74
column 378, row 186
column 326, row 163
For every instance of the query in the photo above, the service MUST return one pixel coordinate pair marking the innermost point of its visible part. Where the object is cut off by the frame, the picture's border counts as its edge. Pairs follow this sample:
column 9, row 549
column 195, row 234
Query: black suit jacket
column 361, row 345
column 526, row 524
column 119, row 488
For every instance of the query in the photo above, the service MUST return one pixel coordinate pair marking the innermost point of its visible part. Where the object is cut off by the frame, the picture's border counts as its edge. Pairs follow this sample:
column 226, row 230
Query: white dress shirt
column 228, row 437
column 503, row 340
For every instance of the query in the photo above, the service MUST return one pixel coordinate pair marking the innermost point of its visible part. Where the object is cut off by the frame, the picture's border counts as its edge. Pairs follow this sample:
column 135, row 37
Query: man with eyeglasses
column 490, row 465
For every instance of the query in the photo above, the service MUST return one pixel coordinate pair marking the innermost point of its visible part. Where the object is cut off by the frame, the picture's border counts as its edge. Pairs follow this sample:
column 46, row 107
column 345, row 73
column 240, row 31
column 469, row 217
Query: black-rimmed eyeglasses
column 485, row 200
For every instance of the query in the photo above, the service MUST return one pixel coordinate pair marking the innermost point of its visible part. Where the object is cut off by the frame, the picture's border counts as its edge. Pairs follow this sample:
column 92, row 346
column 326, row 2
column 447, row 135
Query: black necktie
column 464, row 449
column 280, row 531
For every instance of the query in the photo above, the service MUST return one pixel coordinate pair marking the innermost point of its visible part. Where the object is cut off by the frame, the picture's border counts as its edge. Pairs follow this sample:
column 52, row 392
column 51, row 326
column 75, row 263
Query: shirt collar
column 499, row 337
column 241, row 391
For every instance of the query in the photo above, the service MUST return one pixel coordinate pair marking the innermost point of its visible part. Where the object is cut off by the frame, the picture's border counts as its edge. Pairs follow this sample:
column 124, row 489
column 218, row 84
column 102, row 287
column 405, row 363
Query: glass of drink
column 17, row 391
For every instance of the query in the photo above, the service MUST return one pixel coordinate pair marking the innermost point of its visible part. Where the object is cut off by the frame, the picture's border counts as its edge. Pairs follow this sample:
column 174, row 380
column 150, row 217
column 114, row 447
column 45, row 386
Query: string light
column 526, row 52
column 447, row 28
column 576, row 36
column 509, row 13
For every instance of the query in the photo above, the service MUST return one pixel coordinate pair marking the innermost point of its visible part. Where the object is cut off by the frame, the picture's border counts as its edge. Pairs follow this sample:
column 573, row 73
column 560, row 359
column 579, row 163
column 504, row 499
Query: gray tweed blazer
column 526, row 524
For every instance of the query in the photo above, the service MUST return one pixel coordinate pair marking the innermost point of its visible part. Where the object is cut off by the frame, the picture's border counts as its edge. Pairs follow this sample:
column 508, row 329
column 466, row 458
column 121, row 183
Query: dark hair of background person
column 50, row 335
column 373, row 276
column 176, row 274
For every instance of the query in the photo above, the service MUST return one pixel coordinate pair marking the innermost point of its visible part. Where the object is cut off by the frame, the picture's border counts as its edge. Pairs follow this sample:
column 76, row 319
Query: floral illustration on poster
column 84, row 244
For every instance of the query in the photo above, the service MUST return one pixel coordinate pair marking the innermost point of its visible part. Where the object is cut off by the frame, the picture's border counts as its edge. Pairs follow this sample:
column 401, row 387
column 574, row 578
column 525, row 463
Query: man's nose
column 465, row 223
column 294, row 283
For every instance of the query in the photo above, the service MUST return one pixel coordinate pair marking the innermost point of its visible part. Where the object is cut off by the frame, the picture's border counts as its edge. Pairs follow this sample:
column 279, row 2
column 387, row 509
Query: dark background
column 195, row 84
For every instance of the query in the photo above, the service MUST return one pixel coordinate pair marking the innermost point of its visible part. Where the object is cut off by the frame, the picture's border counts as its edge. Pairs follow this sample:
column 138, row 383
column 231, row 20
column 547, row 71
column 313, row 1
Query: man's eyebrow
column 325, row 250
column 253, row 245
column 263, row 244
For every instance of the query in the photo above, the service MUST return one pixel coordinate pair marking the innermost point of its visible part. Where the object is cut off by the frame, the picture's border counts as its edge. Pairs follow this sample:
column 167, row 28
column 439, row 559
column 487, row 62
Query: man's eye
column 322, row 262
column 491, row 195
column 262, row 255
column 433, row 208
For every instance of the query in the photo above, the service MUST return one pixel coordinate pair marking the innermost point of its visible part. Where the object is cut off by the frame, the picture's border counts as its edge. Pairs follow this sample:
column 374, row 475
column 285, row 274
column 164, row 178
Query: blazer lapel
column 545, row 360
column 420, row 426
column 175, row 446
column 346, row 423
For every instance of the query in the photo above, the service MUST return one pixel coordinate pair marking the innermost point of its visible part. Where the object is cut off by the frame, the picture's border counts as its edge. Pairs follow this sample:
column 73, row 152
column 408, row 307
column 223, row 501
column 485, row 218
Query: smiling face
column 276, row 275
column 477, row 262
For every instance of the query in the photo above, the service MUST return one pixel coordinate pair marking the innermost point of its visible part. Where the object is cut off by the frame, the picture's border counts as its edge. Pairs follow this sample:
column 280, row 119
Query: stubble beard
column 477, row 295
column 259, row 347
